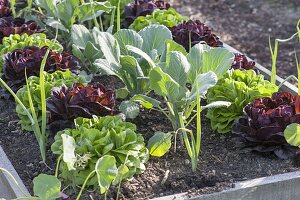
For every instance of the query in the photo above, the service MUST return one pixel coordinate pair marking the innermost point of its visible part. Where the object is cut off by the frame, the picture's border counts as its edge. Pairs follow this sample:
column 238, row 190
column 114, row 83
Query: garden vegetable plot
column 132, row 100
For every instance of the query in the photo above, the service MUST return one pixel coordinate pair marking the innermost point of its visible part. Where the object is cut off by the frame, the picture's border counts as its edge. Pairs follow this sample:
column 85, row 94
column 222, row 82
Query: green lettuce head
column 239, row 88
column 168, row 18
column 97, row 137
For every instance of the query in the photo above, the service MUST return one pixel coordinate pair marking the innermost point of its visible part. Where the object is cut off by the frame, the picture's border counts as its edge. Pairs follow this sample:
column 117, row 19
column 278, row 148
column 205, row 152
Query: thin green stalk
column 112, row 17
column 29, row 2
column 189, row 111
column 84, row 184
column 94, row 16
column 43, row 96
column 167, row 54
column 105, row 195
column 198, row 123
column 12, row 7
column 15, row 181
column 185, row 138
column 118, row 17
column 190, row 40
column 298, row 70
column 287, row 79
column 298, row 29
column 274, row 59
column 37, row 130
column 101, row 24
column 57, row 165
column 161, row 110
column 118, row 191
column 275, row 52
column 190, row 120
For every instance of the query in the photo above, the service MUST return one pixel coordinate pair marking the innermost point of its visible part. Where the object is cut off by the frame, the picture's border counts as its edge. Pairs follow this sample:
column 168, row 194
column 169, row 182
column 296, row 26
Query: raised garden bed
column 222, row 166
column 227, row 171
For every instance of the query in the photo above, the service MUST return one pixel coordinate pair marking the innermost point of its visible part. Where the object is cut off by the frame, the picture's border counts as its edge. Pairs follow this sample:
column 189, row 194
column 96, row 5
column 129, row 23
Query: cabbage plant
column 108, row 54
column 169, row 79
column 62, row 15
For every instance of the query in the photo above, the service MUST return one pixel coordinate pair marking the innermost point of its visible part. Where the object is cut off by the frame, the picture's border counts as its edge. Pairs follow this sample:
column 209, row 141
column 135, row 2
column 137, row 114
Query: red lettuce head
column 67, row 103
column 241, row 62
column 142, row 8
column 10, row 25
column 199, row 33
column 266, row 119
column 5, row 10
column 30, row 58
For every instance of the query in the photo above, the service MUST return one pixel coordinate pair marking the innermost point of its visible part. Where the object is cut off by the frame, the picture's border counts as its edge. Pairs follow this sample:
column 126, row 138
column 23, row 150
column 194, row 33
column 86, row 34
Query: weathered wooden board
column 278, row 187
column 8, row 188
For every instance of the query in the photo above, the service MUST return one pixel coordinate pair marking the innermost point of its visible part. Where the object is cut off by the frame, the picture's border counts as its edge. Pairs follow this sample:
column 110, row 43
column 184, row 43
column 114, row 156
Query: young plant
column 17, row 41
column 67, row 103
column 115, row 20
column 10, row 25
column 54, row 14
column 112, row 57
column 193, row 145
column 272, row 124
column 44, row 187
column 92, row 141
column 30, row 58
column 266, row 120
column 55, row 79
column 39, row 131
column 274, row 52
column 169, row 81
column 168, row 18
column 192, row 32
column 239, row 88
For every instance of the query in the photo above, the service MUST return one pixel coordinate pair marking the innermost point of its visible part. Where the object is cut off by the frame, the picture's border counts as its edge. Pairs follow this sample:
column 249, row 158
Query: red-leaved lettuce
column 10, row 25
column 5, row 10
column 142, row 8
column 196, row 32
column 266, row 119
column 31, row 58
column 241, row 62
column 67, row 103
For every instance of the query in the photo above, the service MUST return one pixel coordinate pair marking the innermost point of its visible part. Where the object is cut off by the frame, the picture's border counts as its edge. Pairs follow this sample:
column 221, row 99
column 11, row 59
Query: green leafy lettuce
column 17, row 41
column 239, row 88
column 98, row 137
column 168, row 18
column 51, row 80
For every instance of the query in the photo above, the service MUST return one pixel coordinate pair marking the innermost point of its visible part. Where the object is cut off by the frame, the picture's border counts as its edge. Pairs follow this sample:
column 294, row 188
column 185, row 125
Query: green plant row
column 102, row 149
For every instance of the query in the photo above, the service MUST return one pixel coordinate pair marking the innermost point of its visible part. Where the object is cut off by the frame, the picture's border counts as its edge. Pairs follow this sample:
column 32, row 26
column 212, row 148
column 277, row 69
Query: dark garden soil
column 246, row 26
column 221, row 164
